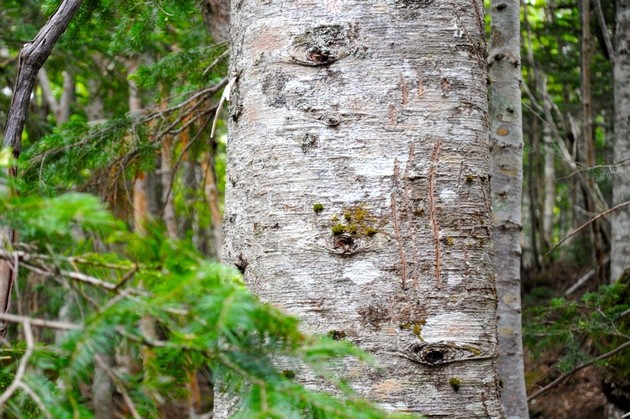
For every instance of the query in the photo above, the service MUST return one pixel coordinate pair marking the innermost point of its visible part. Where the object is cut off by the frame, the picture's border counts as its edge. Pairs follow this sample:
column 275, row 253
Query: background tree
column 506, row 136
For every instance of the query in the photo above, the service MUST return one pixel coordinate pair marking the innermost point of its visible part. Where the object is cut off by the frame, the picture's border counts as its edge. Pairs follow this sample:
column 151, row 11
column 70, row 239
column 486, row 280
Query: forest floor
column 582, row 396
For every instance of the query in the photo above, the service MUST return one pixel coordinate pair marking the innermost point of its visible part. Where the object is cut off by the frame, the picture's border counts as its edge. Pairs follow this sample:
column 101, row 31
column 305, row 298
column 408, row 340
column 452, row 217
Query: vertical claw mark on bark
column 420, row 85
column 459, row 184
column 486, row 200
column 392, row 114
column 405, row 90
column 409, row 210
column 433, row 215
column 396, row 220
column 466, row 269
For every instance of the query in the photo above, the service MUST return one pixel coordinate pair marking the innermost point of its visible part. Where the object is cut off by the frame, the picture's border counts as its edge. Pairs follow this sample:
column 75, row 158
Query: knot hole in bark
column 345, row 244
column 439, row 353
column 321, row 45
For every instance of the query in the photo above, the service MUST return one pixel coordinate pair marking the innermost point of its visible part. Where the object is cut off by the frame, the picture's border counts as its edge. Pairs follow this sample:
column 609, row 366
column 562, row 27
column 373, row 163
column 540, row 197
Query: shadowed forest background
column 118, row 206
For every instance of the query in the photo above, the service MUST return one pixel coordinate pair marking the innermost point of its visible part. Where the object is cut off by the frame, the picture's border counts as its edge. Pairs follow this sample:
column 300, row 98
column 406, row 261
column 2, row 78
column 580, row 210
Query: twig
column 576, row 369
column 17, row 379
column 583, row 279
column 586, row 224
column 225, row 97
column 215, row 62
column 119, row 386
column 602, row 26
column 52, row 324
column 28, row 390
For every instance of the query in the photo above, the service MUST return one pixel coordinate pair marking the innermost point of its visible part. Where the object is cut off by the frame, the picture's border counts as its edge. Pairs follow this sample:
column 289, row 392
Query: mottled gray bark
column 620, row 243
column 357, row 191
column 507, row 178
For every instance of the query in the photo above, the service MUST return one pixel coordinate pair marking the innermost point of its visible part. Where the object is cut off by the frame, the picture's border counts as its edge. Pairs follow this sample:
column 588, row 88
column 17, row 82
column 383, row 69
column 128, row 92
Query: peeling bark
column 357, row 191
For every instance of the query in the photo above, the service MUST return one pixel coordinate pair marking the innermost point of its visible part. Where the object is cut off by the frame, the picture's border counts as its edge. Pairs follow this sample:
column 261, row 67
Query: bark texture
column 32, row 57
column 357, row 191
column 620, row 243
column 507, row 178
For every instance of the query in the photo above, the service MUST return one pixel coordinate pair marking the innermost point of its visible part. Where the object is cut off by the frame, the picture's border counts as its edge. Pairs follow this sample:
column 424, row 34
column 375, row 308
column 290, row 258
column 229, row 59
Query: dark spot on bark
column 309, row 141
column 236, row 111
column 445, row 85
column 414, row 4
column 322, row 45
column 288, row 374
column 319, row 56
column 374, row 315
column 273, row 88
column 501, row 6
column 434, row 357
column 331, row 119
column 337, row 334
column 241, row 264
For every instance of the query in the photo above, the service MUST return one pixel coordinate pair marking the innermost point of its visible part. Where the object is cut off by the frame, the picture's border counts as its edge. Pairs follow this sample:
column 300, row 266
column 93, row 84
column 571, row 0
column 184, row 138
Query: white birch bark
column 620, row 243
column 376, row 111
column 550, row 172
column 507, row 178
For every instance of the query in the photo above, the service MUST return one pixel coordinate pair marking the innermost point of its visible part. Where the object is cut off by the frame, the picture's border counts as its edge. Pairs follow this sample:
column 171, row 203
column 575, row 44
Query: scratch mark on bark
column 409, row 210
column 420, row 85
column 433, row 215
column 392, row 114
column 405, row 90
column 395, row 218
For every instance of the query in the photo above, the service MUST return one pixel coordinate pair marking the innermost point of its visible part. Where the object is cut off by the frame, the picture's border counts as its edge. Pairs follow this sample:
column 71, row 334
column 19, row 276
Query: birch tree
column 357, row 191
column 507, row 178
column 620, row 244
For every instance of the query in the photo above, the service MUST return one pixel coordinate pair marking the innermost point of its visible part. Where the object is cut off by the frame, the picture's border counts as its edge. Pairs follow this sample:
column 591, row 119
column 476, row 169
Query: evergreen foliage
column 204, row 315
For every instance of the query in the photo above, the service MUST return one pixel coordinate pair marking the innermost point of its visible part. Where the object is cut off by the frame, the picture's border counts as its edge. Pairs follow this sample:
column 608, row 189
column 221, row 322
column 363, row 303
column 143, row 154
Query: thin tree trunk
column 358, row 190
column 60, row 109
column 549, row 178
column 211, row 192
column 587, row 131
column 506, row 135
column 620, row 243
column 216, row 17
column 32, row 57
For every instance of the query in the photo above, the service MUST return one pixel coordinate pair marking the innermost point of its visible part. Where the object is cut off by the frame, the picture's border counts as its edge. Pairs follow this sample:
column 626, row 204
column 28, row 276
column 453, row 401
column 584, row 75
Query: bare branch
column 17, row 379
column 568, row 375
column 52, row 324
column 586, row 224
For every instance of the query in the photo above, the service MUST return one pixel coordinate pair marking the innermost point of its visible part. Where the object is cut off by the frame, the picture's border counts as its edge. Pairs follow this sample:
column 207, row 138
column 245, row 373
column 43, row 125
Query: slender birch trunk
column 506, row 133
column 550, row 172
column 358, row 189
column 620, row 243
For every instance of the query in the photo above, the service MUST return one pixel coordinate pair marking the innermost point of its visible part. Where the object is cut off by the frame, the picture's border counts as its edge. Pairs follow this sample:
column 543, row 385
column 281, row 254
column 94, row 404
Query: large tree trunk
column 620, row 243
column 358, row 189
column 507, row 179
